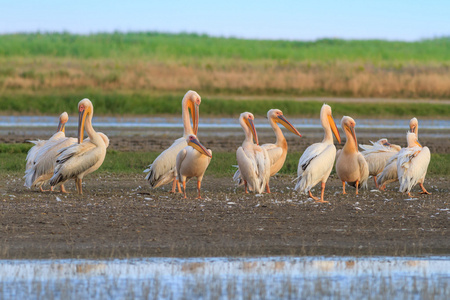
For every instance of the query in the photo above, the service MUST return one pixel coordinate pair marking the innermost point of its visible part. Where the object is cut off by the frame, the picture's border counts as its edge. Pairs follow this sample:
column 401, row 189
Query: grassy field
column 12, row 161
column 142, row 68
column 190, row 47
column 138, row 104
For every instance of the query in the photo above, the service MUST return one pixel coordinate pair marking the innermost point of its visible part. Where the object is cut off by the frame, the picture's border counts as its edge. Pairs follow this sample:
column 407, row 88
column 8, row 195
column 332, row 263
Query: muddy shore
column 119, row 216
column 158, row 139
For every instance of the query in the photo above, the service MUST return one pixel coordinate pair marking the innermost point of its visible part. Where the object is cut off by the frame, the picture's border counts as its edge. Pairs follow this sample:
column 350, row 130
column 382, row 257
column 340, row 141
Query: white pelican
column 43, row 170
column 317, row 161
column 412, row 165
column 253, row 160
column 192, row 161
column 351, row 165
column 377, row 155
column 60, row 133
column 278, row 151
column 389, row 173
column 163, row 169
column 78, row 160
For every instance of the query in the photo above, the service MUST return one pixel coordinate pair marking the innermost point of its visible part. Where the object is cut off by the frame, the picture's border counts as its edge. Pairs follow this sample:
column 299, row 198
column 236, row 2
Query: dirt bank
column 120, row 216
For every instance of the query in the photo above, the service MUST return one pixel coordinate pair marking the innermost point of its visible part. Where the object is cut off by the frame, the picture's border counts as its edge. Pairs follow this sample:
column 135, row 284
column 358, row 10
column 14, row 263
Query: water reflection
column 226, row 123
column 224, row 278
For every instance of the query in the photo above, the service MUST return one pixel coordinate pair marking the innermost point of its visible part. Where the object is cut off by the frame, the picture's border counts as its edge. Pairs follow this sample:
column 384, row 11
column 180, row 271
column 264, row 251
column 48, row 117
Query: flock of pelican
column 62, row 158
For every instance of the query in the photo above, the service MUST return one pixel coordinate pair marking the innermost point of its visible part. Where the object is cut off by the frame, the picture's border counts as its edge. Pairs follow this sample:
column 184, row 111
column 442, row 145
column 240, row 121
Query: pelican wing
column 163, row 168
column 363, row 170
column 74, row 160
column 377, row 160
column 315, row 165
column 180, row 157
column 310, row 153
column 389, row 173
column 31, row 156
column 367, row 147
column 412, row 166
column 376, row 148
column 274, row 152
column 263, row 168
column 45, row 161
column 251, row 165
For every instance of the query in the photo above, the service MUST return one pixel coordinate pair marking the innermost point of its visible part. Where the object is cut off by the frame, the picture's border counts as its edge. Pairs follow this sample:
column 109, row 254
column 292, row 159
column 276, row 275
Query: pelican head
column 384, row 142
column 193, row 100
column 414, row 125
column 247, row 119
column 327, row 120
column 85, row 108
column 63, row 118
column 411, row 138
column 195, row 143
column 277, row 116
column 348, row 125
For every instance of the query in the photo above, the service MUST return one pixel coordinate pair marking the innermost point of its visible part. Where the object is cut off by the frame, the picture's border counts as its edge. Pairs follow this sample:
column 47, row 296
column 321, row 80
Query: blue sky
column 294, row 20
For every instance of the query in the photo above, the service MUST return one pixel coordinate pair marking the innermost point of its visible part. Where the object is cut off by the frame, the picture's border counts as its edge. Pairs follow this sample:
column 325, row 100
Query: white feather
column 412, row 167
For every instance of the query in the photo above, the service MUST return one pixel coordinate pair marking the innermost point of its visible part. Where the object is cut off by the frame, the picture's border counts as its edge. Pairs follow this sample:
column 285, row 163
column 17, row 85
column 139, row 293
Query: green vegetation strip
column 148, row 104
column 12, row 161
column 192, row 47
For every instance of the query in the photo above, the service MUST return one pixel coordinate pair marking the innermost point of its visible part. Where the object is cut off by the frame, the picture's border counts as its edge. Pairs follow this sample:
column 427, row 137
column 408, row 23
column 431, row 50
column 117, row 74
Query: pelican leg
column 424, row 191
column 382, row 188
column 343, row 188
column 42, row 190
column 199, row 184
column 79, row 187
column 267, row 188
column 311, row 196
column 63, row 189
column 376, row 184
column 51, row 189
column 174, row 184
column 184, row 188
column 321, row 194
column 179, row 188
column 245, row 186
column 357, row 184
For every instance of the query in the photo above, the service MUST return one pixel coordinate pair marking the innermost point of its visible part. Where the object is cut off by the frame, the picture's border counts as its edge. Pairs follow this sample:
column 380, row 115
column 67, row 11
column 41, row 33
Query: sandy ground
column 121, row 216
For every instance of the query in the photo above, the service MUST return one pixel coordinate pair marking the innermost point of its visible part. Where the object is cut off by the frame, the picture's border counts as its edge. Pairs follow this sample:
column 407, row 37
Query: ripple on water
column 258, row 277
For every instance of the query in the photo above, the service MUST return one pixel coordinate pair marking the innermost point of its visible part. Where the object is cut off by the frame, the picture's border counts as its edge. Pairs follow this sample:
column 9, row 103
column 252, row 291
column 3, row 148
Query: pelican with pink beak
column 85, row 157
column 163, row 169
column 192, row 161
column 317, row 161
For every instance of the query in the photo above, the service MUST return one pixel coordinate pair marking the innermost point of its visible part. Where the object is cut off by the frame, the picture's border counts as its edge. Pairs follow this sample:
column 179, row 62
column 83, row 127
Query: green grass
column 12, row 160
column 115, row 103
column 192, row 47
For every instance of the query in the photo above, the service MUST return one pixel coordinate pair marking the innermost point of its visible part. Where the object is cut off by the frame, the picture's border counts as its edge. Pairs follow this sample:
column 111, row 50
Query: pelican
column 278, row 151
column 78, row 160
column 43, row 170
column 317, row 161
column 377, row 155
column 60, row 133
column 253, row 160
column 351, row 165
column 192, row 161
column 412, row 165
column 389, row 173
column 163, row 169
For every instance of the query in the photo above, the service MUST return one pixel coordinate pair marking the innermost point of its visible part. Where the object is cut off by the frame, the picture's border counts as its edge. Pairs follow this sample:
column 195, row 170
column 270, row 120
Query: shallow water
column 224, row 278
column 226, row 123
